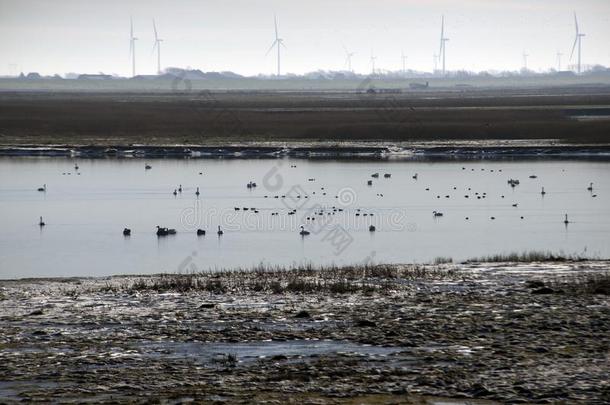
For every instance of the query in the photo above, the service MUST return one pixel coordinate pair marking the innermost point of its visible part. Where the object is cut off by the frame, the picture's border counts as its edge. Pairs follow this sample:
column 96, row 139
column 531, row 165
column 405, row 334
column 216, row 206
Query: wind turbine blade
column 573, row 47
column 271, row 47
column 576, row 24
column 282, row 43
column 155, row 29
column 275, row 22
column 130, row 27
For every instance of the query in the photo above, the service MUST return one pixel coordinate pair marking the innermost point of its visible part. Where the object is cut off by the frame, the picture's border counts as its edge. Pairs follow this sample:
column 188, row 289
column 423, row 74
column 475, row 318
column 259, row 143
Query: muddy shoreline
column 498, row 332
column 472, row 150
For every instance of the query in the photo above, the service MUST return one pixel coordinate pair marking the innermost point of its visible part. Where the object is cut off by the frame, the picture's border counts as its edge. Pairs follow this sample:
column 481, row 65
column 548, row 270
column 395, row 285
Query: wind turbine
column 403, row 57
column 373, row 58
column 577, row 39
column 132, row 48
column 158, row 46
column 559, row 55
column 525, row 56
column 348, row 58
column 278, row 42
column 443, row 40
column 435, row 61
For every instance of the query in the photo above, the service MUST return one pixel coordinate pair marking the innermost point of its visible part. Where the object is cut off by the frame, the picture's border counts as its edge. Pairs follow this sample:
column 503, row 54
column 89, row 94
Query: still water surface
column 85, row 213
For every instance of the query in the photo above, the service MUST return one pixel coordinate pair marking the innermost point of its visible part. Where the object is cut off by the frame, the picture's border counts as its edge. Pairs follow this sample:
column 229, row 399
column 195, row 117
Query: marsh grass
column 306, row 279
column 531, row 256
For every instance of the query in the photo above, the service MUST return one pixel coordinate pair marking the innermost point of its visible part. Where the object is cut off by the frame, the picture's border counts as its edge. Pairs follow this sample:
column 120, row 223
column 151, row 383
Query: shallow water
column 207, row 353
column 85, row 213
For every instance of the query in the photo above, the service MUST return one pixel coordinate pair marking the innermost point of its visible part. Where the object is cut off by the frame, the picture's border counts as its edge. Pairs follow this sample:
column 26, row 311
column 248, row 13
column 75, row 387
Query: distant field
column 577, row 114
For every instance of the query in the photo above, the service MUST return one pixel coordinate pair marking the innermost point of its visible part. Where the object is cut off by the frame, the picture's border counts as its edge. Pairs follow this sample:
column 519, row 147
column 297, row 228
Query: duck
column 590, row 188
column 543, row 192
column 375, row 175
column 175, row 192
column 197, row 192
column 41, row 222
column 75, row 166
column 200, row 232
column 565, row 221
column 303, row 231
column 415, row 176
column 126, row 232
column 387, row 175
column 437, row 214
column 180, row 188
column 220, row 232
column 162, row 231
column 372, row 228
column 43, row 188
column 147, row 167
column 369, row 183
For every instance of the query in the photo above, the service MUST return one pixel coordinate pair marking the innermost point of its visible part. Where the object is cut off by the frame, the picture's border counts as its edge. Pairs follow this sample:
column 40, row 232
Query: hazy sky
column 59, row 36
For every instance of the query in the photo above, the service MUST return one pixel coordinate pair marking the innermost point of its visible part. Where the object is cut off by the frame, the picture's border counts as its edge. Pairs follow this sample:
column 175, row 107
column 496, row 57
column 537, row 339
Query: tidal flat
column 479, row 332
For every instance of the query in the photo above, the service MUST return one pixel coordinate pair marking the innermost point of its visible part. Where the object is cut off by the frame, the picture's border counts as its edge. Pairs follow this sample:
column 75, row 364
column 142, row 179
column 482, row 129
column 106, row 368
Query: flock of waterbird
column 320, row 211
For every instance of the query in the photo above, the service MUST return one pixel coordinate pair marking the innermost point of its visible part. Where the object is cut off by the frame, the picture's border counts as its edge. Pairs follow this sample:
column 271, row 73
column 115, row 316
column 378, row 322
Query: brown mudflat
column 568, row 114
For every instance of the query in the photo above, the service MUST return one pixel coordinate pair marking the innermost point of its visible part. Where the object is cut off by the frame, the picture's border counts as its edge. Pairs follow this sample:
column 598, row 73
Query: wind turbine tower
column 577, row 40
column 443, row 40
column 403, row 57
column 132, row 48
column 348, row 58
column 559, row 55
column 373, row 58
column 525, row 56
column 158, row 46
column 279, row 42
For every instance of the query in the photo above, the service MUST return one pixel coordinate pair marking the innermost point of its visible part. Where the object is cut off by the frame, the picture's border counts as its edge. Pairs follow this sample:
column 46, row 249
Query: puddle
column 251, row 351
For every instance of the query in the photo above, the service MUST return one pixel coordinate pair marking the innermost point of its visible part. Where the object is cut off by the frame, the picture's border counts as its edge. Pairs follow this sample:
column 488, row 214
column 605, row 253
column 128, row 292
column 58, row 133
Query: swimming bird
column 147, row 167
column 43, row 188
column 375, row 175
column 590, row 188
column 197, row 192
column 372, row 228
column 75, row 166
column 171, row 231
column 162, row 231
column 180, row 188
column 565, row 221
column 303, row 231
column 415, row 176
column 515, row 205
column 126, row 232
column 437, row 214
column 200, row 232
column 41, row 222
column 220, row 232
column 175, row 192
column 543, row 192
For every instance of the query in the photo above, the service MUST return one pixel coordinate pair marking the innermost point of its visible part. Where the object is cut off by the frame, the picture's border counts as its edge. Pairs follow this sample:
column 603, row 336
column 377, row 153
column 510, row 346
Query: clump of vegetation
column 306, row 279
column 442, row 260
column 531, row 256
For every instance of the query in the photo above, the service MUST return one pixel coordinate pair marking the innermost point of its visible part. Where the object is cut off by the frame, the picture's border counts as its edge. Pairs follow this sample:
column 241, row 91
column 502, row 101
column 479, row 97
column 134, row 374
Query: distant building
column 418, row 86
column 94, row 77
column 33, row 76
